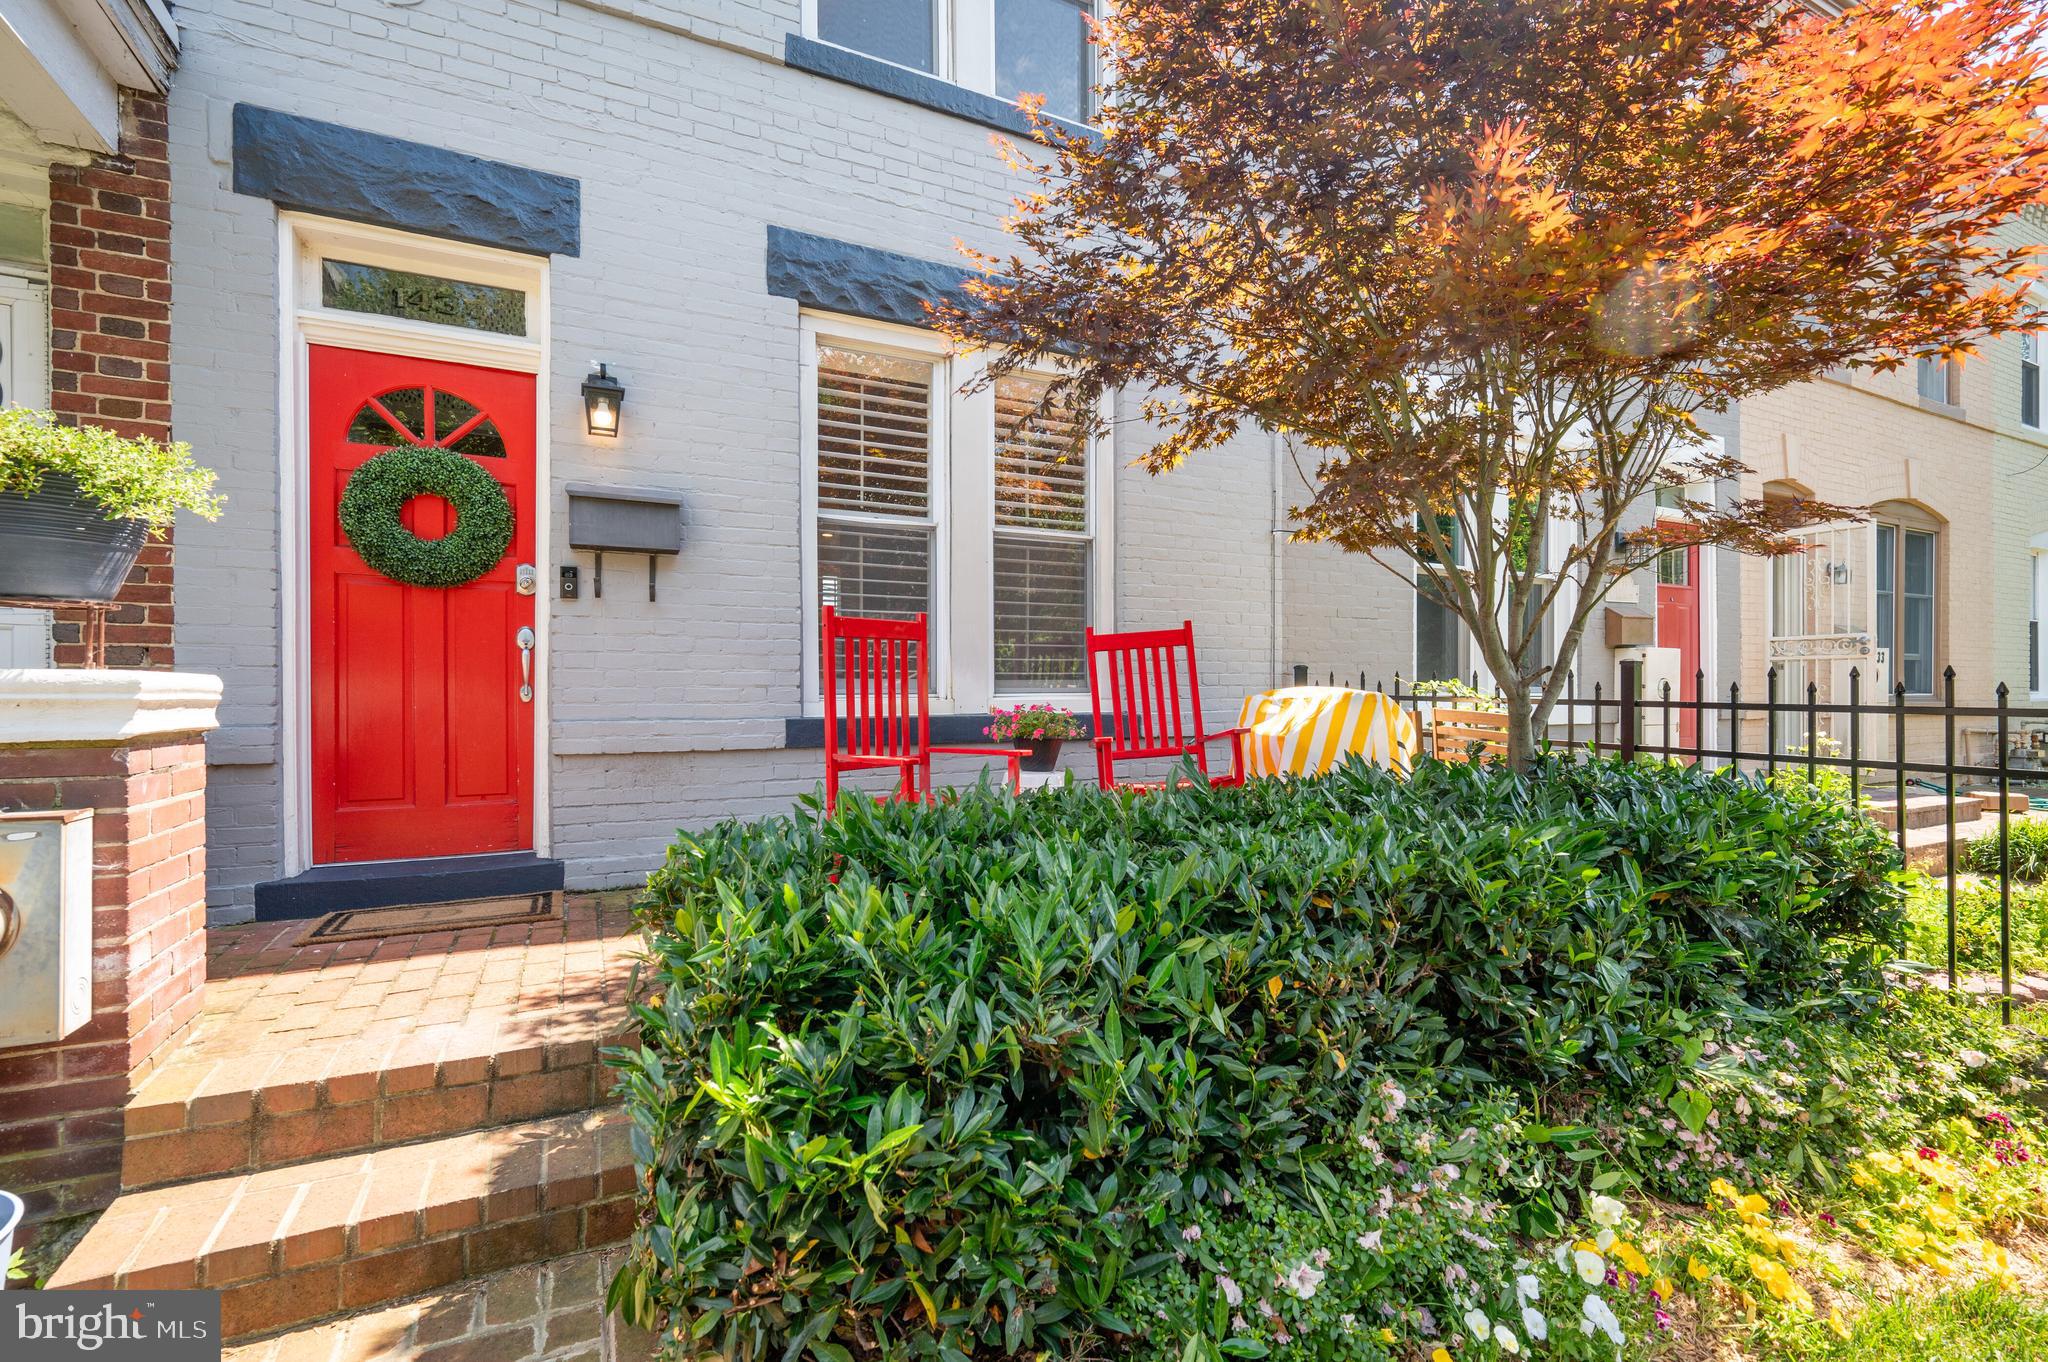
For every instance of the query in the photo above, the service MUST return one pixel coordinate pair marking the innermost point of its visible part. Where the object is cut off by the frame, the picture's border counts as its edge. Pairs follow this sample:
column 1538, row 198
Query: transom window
column 974, row 506
column 387, row 292
column 1006, row 48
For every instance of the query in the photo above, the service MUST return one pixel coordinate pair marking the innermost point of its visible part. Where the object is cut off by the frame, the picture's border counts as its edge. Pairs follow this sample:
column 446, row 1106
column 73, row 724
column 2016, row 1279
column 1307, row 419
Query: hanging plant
column 377, row 493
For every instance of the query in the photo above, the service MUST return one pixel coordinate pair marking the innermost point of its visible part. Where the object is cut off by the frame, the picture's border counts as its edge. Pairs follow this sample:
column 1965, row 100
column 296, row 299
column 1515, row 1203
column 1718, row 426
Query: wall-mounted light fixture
column 603, row 396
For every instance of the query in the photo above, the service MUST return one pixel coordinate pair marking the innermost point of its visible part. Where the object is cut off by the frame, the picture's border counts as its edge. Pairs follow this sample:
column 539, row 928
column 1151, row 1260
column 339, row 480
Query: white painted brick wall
column 689, row 139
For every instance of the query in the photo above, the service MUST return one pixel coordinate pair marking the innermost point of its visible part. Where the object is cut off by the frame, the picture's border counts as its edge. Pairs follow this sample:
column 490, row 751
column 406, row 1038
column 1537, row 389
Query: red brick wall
column 110, row 341
column 61, row 1104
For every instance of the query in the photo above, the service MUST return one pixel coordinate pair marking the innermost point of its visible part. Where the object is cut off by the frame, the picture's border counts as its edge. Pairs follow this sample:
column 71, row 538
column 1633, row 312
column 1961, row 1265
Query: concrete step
column 1922, row 810
column 212, row 1111
column 292, row 1245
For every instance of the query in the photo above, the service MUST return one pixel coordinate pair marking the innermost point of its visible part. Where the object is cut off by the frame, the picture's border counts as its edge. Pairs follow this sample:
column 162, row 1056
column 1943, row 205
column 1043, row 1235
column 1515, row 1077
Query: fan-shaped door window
column 426, row 416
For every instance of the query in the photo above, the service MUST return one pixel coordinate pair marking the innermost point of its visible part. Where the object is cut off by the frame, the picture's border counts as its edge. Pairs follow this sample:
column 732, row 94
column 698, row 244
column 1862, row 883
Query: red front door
column 1678, row 626
column 421, row 743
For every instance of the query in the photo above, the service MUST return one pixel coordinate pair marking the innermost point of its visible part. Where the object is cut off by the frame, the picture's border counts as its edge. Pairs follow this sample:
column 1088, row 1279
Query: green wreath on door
column 377, row 493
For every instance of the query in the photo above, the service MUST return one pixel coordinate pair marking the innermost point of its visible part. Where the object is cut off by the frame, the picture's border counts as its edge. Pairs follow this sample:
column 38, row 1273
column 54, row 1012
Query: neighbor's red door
column 1678, row 626
column 421, row 743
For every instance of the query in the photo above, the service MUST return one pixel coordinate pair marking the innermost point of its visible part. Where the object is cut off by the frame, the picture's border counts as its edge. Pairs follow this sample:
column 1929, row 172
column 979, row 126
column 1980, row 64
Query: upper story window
column 902, row 31
column 2030, row 379
column 1939, row 380
column 1005, row 48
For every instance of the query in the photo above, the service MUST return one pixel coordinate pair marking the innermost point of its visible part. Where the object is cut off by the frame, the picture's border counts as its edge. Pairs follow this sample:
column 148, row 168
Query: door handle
column 525, row 640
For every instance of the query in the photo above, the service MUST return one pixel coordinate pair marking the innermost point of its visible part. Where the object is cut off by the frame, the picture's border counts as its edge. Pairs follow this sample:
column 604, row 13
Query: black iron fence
column 1943, row 775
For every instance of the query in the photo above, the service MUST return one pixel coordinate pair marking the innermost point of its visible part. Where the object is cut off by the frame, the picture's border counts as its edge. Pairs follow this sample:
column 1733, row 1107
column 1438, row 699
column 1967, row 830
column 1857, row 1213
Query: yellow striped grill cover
column 1307, row 730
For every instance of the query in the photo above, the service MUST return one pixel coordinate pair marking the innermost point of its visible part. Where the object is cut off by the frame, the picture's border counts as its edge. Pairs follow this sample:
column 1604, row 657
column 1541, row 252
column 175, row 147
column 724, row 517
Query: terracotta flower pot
column 58, row 545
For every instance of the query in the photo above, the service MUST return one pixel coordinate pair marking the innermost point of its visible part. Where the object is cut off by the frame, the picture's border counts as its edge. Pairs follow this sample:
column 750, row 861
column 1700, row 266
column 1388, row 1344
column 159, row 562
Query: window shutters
column 874, row 483
column 1042, row 541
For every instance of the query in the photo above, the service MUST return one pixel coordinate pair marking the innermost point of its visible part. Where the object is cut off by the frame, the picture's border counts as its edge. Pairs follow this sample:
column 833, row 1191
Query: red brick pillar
column 110, row 341
column 128, row 745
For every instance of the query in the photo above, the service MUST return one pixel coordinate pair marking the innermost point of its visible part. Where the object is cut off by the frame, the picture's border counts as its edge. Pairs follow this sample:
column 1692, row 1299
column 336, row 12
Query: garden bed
column 1043, row 1075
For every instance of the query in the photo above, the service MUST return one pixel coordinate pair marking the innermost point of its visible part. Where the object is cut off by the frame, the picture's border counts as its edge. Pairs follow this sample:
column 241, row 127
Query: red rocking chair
column 881, row 665
column 1139, row 716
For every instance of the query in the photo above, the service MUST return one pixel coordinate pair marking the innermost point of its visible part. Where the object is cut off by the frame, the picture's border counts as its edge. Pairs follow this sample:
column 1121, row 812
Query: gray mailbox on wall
column 605, row 518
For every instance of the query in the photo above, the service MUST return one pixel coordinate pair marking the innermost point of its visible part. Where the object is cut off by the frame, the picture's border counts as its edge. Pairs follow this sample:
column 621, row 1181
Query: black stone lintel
column 382, row 884
column 948, row 730
column 859, row 281
column 344, row 172
column 912, row 87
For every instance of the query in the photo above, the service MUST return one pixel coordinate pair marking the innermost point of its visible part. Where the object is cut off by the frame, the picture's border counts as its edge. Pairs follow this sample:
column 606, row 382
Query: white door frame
column 301, row 242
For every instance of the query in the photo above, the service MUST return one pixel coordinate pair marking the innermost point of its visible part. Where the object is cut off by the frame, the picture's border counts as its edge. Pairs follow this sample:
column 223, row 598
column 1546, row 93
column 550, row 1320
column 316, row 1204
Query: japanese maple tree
column 1488, row 261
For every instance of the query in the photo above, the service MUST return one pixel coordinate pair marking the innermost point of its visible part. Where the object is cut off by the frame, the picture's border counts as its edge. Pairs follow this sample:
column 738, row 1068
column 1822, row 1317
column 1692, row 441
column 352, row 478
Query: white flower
column 1599, row 1315
column 1975, row 1059
column 1561, row 1256
column 1592, row 1268
column 1191, row 1233
column 1396, row 1099
column 1233, row 1294
column 1506, row 1338
column 1532, row 1320
column 1369, row 1241
column 1479, row 1324
column 1304, row 1280
column 1349, row 1321
column 1527, row 1289
column 1606, row 1210
column 1605, row 1239
column 1444, row 1174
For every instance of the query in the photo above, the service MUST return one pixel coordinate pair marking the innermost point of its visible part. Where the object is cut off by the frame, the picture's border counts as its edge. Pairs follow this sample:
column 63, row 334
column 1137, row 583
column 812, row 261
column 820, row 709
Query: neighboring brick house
column 85, row 250
column 1940, row 573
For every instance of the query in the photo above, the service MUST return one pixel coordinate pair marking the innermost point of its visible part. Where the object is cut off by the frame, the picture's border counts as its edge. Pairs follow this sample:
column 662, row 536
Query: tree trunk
column 1521, row 711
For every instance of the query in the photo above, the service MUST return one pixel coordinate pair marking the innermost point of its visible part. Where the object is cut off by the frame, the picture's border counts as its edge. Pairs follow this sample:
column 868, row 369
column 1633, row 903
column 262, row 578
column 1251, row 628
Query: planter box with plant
column 1040, row 728
column 77, row 502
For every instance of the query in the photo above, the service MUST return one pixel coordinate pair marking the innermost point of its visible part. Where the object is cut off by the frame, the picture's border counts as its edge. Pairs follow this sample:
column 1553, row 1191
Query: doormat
column 412, row 919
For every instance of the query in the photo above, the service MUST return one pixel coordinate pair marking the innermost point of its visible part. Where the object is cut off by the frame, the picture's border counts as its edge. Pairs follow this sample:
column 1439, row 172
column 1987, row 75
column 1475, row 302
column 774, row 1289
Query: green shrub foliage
column 2026, row 851
column 919, row 1080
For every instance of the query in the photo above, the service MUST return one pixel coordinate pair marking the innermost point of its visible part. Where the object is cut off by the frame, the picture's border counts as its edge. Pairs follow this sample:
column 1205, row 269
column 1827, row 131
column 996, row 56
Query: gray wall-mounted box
column 45, row 924
column 608, row 519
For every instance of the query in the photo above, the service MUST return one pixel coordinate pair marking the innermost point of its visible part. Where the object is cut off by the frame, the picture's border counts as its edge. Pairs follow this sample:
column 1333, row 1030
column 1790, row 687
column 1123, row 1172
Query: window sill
column 1949, row 409
column 912, row 87
column 948, row 730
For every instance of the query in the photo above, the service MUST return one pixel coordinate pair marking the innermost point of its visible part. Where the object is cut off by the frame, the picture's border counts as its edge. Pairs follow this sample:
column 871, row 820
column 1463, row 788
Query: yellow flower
column 1752, row 1205
column 1386, row 1335
column 1662, row 1286
column 1697, row 1270
column 1862, row 1177
column 1841, row 1330
column 1632, row 1259
column 1439, row 1355
column 1721, row 1187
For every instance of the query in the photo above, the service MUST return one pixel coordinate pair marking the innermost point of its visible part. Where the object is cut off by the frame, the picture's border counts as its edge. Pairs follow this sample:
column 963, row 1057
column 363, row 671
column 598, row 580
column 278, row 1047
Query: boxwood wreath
column 378, row 491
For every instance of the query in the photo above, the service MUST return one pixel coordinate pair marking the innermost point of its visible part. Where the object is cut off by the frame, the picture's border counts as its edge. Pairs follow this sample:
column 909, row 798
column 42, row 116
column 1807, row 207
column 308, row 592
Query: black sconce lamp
column 603, row 396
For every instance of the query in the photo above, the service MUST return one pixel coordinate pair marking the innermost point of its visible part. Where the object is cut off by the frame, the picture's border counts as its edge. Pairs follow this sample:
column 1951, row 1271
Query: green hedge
column 918, row 1079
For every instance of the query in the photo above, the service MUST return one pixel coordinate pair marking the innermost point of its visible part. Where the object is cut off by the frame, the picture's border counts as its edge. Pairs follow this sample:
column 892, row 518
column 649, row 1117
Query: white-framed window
column 24, row 341
column 970, row 506
column 1939, row 380
column 1906, row 560
column 1004, row 48
column 2030, row 379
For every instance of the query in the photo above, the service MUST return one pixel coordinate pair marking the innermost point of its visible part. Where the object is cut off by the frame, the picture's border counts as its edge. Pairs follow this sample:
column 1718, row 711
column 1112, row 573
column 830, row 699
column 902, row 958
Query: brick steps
column 552, row 1310
column 205, row 1114
column 290, row 1245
